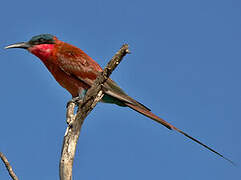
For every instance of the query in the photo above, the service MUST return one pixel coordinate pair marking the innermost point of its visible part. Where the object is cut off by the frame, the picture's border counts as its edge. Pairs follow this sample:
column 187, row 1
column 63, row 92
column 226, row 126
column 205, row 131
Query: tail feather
column 149, row 114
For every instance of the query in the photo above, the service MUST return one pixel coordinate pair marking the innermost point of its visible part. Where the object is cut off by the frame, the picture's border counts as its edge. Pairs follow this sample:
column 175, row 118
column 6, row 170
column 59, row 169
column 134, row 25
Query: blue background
column 185, row 65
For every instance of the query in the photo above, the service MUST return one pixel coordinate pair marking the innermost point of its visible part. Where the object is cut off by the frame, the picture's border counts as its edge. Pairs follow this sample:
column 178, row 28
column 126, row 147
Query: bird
column 76, row 71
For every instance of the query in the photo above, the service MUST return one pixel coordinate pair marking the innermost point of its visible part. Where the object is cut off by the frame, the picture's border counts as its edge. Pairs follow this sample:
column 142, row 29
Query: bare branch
column 92, row 97
column 8, row 166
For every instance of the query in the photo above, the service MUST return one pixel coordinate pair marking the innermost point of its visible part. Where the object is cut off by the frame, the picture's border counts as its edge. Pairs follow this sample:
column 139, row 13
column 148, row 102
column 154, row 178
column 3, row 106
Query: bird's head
column 41, row 45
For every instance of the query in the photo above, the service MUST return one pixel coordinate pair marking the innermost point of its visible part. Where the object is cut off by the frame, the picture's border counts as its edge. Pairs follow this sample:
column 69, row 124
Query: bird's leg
column 78, row 99
column 75, row 101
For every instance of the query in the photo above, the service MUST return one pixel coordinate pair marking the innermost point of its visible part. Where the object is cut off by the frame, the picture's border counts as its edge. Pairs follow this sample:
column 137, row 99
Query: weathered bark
column 75, row 121
column 8, row 166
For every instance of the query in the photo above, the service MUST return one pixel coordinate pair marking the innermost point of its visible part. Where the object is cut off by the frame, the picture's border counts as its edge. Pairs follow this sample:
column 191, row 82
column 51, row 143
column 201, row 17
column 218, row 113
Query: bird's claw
column 76, row 100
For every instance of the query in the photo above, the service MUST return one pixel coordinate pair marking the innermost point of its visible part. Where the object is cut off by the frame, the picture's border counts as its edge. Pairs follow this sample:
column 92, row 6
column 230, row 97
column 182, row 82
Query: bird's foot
column 76, row 100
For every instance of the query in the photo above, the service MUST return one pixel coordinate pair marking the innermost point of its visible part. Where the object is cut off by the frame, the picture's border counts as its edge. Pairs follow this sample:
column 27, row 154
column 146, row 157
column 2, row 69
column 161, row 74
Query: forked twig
column 92, row 97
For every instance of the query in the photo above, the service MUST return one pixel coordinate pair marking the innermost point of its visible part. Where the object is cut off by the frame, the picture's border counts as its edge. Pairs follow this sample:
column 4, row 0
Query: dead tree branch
column 8, row 166
column 75, row 121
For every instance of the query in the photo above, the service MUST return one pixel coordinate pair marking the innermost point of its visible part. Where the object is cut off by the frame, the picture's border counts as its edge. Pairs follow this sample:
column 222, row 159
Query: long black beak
column 23, row 45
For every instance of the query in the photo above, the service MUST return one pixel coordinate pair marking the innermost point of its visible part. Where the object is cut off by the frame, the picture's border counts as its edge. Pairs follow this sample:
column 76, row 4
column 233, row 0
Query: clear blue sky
column 185, row 65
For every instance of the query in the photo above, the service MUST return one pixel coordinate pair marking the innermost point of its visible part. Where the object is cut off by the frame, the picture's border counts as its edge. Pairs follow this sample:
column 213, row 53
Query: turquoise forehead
column 47, row 37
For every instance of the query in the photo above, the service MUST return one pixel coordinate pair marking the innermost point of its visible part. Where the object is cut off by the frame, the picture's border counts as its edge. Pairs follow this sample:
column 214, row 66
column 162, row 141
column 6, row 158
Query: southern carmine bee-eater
column 75, row 71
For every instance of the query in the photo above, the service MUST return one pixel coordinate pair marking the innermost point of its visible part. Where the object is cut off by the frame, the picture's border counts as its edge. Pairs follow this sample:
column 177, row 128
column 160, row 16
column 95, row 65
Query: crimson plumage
column 75, row 71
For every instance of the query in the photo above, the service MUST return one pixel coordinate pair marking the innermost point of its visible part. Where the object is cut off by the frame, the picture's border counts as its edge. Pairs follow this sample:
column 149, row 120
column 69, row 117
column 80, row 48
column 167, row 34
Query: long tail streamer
column 171, row 127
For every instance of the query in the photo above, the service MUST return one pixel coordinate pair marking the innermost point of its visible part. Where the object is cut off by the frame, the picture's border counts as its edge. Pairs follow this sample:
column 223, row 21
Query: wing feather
column 75, row 62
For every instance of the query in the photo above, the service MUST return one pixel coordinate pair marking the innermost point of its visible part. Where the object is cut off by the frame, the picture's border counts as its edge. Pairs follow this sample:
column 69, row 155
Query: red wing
column 75, row 62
